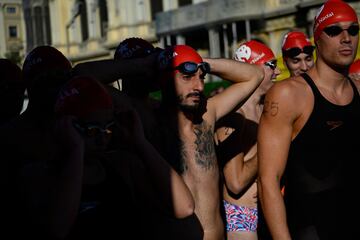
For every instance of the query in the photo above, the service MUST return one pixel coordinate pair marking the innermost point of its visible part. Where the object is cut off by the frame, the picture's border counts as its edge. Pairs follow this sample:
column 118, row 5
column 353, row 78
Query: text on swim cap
column 330, row 14
column 126, row 51
column 68, row 93
column 32, row 62
column 257, row 58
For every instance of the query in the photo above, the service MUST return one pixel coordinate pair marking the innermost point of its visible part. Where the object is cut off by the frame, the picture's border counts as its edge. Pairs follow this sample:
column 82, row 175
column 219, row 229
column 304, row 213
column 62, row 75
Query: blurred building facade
column 88, row 29
column 12, row 31
column 91, row 29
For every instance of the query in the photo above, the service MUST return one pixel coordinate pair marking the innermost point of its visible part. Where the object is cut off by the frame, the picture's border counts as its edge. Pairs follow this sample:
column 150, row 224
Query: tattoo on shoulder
column 271, row 108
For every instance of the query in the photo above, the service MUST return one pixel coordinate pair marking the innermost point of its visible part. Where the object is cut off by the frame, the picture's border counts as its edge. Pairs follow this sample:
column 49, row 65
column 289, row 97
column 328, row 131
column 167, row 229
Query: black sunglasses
column 271, row 64
column 92, row 130
column 293, row 52
column 333, row 31
column 191, row 67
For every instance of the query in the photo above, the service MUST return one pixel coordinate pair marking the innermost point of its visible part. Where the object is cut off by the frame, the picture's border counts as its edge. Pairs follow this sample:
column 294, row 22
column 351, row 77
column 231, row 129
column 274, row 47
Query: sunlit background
column 86, row 30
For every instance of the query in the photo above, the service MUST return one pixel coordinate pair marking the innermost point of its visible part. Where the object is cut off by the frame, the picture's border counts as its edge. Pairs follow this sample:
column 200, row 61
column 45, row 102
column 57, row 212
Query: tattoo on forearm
column 205, row 150
column 271, row 108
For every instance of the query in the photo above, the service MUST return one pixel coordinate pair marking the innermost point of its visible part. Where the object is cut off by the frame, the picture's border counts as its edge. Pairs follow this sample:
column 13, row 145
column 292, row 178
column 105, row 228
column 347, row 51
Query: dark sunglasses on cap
column 271, row 64
column 92, row 130
column 333, row 31
column 295, row 51
column 191, row 67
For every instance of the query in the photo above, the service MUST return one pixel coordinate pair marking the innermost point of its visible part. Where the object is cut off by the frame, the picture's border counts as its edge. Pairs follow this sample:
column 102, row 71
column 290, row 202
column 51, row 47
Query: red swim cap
column 333, row 11
column 44, row 59
column 183, row 53
column 173, row 56
column 295, row 39
column 355, row 67
column 81, row 96
column 253, row 52
column 133, row 48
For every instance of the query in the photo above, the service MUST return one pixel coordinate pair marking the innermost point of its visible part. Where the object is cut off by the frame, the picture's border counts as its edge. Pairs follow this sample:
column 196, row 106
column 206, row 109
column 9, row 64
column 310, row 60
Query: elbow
column 261, row 75
column 185, row 211
column 268, row 187
column 235, row 186
column 240, row 184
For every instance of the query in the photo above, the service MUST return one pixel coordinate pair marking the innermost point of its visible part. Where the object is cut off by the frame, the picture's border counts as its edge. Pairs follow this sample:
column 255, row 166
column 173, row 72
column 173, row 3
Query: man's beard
column 198, row 107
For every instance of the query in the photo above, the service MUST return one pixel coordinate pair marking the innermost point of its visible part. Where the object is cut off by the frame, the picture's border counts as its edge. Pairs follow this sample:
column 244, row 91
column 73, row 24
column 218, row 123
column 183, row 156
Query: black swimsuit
column 320, row 169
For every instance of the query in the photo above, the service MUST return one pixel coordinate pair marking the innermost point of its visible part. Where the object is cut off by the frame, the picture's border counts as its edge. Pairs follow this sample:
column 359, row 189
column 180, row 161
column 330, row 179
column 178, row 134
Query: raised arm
column 236, row 148
column 50, row 193
column 110, row 70
column 66, row 196
column 245, row 78
column 170, row 191
column 274, row 138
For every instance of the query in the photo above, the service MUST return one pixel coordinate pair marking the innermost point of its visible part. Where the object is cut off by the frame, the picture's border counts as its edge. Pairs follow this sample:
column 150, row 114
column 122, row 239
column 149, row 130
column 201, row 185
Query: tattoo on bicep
column 271, row 108
column 205, row 149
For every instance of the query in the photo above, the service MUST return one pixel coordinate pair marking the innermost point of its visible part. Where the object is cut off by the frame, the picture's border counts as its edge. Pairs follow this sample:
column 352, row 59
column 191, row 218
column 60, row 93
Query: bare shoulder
column 289, row 85
column 288, row 95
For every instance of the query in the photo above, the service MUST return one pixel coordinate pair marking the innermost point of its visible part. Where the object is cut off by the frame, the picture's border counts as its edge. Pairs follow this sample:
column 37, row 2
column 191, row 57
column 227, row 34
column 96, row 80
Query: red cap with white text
column 254, row 52
column 333, row 11
column 82, row 95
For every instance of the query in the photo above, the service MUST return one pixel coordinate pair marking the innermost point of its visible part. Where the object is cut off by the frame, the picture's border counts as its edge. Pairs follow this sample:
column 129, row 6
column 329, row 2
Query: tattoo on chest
column 184, row 155
column 204, row 146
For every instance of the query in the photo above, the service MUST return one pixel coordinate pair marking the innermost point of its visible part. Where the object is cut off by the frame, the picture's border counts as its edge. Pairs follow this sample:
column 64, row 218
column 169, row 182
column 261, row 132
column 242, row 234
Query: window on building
column 117, row 8
column 29, row 29
column 13, row 32
column 140, row 11
column 103, row 17
column 184, row 2
column 10, row 10
column 48, row 39
column 156, row 6
column 38, row 17
column 83, row 20
column 38, row 26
